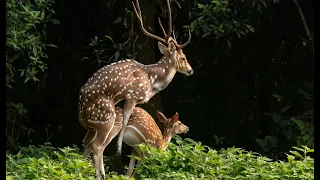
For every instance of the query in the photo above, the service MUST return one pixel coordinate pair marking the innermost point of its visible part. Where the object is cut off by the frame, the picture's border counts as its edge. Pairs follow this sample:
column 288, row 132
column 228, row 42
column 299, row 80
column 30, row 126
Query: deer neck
column 166, row 138
column 162, row 73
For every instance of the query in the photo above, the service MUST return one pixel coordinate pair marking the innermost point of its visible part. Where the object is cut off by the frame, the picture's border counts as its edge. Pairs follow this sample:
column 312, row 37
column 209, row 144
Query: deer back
column 141, row 128
column 126, row 77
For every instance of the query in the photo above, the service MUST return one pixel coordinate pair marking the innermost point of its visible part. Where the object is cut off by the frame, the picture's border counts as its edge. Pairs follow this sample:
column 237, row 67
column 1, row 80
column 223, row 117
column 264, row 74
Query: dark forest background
column 253, row 63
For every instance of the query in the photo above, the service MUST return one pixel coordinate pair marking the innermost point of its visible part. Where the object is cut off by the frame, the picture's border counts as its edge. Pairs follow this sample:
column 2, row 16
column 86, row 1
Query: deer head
column 172, row 125
column 168, row 46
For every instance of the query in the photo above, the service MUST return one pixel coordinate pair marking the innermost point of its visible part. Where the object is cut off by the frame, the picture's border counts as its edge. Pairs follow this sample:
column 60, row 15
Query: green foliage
column 24, row 40
column 296, row 127
column 47, row 162
column 15, row 112
column 184, row 159
column 106, row 50
column 225, row 20
column 191, row 160
column 306, row 132
column 218, row 18
column 25, row 54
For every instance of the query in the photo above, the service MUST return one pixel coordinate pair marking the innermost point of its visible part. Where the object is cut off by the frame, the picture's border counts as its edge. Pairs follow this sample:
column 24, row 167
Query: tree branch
column 311, row 42
column 303, row 20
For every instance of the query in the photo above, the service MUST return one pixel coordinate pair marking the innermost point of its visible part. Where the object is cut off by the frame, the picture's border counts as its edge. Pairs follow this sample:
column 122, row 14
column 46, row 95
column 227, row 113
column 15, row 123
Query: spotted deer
column 130, row 81
column 141, row 128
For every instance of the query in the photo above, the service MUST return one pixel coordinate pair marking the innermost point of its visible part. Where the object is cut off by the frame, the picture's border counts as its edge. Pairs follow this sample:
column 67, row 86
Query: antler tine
column 169, row 21
column 163, row 31
column 174, row 36
column 139, row 16
column 185, row 44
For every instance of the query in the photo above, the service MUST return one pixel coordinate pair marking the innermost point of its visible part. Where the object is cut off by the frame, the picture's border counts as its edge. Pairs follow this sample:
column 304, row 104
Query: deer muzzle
column 190, row 72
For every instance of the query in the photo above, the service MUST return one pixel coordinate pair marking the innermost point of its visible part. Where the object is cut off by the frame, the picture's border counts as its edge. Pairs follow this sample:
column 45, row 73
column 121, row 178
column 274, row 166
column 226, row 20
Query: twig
column 310, row 39
column 303, row 20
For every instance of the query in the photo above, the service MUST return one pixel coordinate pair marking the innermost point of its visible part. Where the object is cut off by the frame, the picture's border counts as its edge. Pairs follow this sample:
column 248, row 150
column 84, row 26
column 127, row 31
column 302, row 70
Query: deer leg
column 103, row 132
column 87, row 140
column 89, row 147
column 96, row 163
column 87, row 152
column 131, row 164
column 115, row 130
column 138, row 152
column 127, row 110
column 138, row 163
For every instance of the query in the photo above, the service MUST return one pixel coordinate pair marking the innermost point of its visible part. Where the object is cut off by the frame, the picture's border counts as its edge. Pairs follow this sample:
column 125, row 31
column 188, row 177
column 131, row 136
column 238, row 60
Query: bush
column 26, row 23
column 26, row 36
column 47, row 162
column 184, row 159
column 191, row 160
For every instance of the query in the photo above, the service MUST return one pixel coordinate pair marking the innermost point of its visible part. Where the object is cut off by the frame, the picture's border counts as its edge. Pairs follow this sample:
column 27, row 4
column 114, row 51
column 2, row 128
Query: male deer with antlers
column 131, row 81
column 141, row 128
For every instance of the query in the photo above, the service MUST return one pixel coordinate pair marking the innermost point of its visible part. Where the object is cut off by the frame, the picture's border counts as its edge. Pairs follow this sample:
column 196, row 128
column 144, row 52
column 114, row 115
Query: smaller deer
column 141, row 128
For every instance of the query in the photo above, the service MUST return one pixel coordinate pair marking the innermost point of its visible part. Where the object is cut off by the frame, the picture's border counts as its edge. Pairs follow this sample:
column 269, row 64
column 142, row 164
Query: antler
column 163, row 31
column 166, row 35
column 169, row 21
column 170, row 29
column 139, row 16
column 185, row 44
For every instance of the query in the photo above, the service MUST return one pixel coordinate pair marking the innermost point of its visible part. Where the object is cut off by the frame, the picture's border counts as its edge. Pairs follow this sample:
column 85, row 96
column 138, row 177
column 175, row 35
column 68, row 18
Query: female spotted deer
column 130, row 81
column 141, row 128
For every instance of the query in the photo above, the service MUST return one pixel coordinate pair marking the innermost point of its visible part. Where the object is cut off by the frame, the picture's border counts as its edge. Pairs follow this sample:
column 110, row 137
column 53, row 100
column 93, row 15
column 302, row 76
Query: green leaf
column 67, row 176
column 284, row 109
column 200, row 6
column 239, row 35
column 22, row 73
column 229, row 43
column 19, row 155
column 119, row 19
column 250, row 28
column 117, row 55
column 51, row 45
column 277, row 96
column 127, row 10
column 206, row 34
column 58, row 154
column 109, row 38
column 297, row 154
column 54, row 21
column 125, row 23
column 310, row 150
column 27, row 79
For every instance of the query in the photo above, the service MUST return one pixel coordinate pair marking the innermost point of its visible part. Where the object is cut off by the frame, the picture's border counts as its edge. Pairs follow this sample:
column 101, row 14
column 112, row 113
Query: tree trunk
column 147, row 53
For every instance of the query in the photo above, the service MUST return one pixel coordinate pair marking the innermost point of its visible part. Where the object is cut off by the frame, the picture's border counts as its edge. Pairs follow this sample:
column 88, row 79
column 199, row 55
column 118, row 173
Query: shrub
column 191, row 160
column 26, row 56
column 184, row 159
column 47, row 162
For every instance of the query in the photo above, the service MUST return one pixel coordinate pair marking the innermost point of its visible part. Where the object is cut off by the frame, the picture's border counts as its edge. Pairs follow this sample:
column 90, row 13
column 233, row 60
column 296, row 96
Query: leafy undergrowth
column 47, row 162
column 184, row 159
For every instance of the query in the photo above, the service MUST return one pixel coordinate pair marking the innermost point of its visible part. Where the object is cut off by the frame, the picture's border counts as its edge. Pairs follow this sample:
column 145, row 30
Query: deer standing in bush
column 141, row 128
column 131, row 81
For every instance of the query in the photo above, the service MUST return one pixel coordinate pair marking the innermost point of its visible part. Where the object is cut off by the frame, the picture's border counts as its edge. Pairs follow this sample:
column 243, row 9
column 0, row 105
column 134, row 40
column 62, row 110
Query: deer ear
column 161, row 117
column 163, row 49
column 175, row 118
column 172, row 47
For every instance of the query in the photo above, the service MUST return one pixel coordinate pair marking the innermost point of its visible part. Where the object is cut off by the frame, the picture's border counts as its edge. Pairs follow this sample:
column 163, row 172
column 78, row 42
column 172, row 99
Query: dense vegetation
column 252, row 87
column 186, row 159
